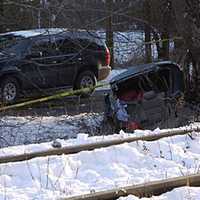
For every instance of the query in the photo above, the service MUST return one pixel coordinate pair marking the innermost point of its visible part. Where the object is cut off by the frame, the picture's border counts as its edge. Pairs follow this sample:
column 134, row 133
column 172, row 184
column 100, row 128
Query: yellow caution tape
column 163, row 40
column 52, row 97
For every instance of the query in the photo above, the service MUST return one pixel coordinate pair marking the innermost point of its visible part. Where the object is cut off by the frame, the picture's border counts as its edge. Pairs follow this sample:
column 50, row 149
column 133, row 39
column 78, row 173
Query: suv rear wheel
column 86, row 79
column 9, row 90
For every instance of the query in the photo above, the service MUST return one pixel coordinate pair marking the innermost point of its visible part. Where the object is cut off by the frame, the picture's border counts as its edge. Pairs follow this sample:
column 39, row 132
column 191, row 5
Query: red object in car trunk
column 107, row 56
column 133, row 126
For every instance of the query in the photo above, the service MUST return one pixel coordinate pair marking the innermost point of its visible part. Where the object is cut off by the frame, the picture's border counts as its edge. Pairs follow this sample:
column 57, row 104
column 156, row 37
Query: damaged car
column 145, row 96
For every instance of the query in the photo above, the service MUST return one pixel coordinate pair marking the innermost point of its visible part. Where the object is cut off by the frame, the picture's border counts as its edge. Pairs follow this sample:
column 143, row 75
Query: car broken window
column 67, row 46
column 130, row 90
column 160, row 80
column 42, row 49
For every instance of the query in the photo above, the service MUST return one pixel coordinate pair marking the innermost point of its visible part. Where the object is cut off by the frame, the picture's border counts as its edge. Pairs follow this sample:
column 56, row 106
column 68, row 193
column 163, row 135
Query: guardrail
column 96, row 145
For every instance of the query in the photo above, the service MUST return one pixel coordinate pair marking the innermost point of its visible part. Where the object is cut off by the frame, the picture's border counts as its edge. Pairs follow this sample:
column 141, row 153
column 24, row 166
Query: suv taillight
column 107, row 56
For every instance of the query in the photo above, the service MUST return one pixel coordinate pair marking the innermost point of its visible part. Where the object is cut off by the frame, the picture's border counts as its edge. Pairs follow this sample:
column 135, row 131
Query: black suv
column 50, row 59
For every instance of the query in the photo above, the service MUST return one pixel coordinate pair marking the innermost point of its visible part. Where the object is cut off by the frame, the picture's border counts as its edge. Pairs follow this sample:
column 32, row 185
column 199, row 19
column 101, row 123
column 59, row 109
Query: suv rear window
column 75, row 45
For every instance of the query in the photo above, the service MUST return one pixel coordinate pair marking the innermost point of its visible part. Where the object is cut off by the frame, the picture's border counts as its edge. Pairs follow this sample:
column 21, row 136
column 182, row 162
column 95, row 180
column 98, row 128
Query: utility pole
column 165, row 34
column 109, row 29
column 1, row 16
column 41, row 13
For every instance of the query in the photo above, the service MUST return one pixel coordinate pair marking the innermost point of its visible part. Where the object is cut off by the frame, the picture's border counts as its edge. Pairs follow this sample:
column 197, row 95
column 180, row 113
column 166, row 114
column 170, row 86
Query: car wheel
column 9, row 90
column 85, row 80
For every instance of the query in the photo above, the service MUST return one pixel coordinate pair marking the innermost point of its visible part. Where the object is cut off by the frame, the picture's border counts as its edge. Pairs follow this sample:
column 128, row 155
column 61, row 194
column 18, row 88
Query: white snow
column 126, row 45
column 101, row 169
column 30, row 132
column 30, row 129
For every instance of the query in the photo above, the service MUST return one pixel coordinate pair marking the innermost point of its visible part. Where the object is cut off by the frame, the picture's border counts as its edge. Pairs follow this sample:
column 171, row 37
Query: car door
column 47, row 63
column 29, row 66
column 67, row 60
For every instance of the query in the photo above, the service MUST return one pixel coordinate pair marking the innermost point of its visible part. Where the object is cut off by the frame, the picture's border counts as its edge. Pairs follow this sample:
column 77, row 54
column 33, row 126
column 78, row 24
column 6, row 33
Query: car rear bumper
column 103, row 72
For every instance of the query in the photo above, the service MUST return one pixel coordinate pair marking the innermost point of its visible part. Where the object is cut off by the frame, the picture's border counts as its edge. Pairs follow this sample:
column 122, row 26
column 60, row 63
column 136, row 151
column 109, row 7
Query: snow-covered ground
column 184, row 193
column 36, row 129
column 101, row 169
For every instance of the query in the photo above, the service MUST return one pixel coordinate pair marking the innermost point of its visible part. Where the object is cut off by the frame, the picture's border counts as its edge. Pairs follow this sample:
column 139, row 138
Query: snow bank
column 27, row 130
column 80, row 138
column 101, row 169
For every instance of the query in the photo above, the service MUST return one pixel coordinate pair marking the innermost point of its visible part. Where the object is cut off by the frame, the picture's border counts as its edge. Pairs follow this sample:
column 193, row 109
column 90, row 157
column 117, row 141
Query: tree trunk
column 164, row 49
column 195, row 79
column 148, row 51
column 147, row 30
column 187, row 20
column 109, row 30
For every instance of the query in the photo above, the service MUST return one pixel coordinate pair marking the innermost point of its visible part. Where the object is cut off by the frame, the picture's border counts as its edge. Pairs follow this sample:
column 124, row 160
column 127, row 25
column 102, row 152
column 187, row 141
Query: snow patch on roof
column 36, row 32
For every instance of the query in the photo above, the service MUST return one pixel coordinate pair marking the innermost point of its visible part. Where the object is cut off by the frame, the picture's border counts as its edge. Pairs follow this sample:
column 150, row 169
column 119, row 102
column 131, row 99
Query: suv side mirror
column 177, row 94
column 35, row 55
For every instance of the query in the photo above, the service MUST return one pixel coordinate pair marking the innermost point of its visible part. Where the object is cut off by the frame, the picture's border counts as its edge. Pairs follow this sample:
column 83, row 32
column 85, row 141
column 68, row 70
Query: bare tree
column 188, row 25
column 161, row 19
column 109, row 30
column 147, row 30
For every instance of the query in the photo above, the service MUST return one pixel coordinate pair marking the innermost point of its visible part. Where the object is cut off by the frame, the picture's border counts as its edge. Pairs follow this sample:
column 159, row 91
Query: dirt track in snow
column 67, row 106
